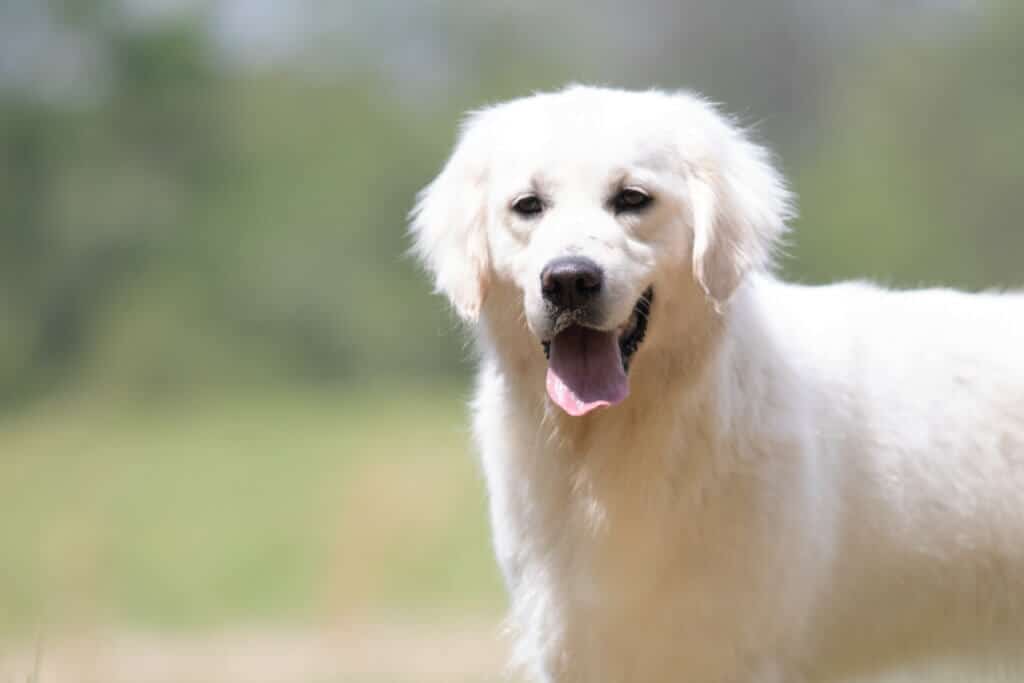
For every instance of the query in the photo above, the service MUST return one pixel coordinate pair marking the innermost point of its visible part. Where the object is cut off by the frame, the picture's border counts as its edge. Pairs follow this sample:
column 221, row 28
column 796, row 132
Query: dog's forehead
column 584, row 138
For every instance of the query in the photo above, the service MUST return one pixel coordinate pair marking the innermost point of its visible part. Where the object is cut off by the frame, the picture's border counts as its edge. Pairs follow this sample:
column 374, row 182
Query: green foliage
column 309, row 238
column 180, row 226
column 92, row 193
column 918, row 179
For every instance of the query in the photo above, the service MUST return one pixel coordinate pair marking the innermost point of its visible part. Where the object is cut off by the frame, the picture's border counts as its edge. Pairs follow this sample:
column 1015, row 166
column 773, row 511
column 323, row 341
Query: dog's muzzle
column 587, row 366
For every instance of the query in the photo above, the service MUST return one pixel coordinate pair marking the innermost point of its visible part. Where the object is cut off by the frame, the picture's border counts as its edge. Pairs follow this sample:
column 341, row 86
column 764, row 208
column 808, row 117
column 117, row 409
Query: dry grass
column 382, row 652
column 390, row 651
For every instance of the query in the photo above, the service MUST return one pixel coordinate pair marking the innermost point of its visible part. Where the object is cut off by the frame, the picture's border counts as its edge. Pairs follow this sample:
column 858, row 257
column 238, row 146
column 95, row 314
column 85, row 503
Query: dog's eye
column 631, row 199
column 528, row 205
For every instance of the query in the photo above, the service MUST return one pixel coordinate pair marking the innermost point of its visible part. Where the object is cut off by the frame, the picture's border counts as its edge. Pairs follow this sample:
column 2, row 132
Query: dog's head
column 586, row 205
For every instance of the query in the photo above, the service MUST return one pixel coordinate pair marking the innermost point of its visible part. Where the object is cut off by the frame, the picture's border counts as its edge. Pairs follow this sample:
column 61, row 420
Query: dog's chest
column 599, row 538
column 597, row 582
column 623, row 565
column 612, row 502
column 619, row 596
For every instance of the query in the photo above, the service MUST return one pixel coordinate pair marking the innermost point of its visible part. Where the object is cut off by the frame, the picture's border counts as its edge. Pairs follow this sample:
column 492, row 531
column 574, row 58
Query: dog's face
column 581, row 230
column 588, row 203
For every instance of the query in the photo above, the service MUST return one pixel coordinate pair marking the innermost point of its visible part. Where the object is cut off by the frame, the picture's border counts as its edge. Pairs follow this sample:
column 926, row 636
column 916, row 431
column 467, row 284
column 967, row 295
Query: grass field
column 267, row 512
column 275, row 505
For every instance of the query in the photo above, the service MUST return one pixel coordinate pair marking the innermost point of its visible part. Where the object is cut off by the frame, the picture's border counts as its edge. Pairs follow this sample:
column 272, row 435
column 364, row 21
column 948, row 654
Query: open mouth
column 588, row 368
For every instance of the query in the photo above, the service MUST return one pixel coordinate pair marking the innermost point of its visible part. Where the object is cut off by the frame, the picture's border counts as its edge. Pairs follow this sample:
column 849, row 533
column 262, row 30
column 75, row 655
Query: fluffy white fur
column 805, row 482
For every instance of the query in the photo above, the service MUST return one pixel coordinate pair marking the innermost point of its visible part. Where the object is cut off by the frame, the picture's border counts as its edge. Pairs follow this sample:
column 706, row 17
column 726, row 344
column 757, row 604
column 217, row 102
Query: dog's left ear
column 448, row 226
column 740, row 206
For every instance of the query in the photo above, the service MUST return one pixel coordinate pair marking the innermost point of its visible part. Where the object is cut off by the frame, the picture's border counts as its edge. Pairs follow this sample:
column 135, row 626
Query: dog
column 696, row 471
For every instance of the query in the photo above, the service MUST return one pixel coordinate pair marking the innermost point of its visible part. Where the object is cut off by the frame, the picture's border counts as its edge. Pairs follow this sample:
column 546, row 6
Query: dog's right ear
column 740, row 206
column 448, row 226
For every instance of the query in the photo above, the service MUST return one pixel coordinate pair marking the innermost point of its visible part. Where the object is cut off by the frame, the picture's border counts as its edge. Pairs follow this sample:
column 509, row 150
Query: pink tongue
column 585, row 370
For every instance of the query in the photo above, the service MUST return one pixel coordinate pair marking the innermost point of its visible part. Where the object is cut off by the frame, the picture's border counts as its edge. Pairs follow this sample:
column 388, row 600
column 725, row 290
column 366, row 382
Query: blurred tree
column 311, row 237
column 918, row 181
column 94, row 188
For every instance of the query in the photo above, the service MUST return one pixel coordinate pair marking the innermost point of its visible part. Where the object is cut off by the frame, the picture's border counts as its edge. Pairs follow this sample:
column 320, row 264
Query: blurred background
column 232, row 436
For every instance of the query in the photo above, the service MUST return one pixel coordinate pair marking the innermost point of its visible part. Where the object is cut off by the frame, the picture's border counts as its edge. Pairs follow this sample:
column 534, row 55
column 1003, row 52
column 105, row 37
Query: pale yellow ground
column 467, row 652
column 463, row 652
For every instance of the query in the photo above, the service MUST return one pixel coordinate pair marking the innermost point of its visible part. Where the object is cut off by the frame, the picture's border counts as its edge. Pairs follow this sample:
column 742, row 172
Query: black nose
column 571, row 282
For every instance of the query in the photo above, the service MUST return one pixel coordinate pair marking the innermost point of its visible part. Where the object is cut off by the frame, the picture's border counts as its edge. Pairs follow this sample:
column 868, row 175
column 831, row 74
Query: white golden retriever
column 699, row 473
